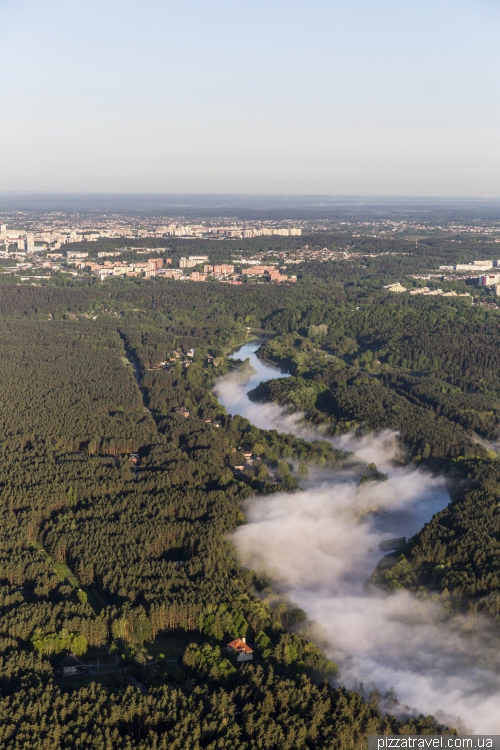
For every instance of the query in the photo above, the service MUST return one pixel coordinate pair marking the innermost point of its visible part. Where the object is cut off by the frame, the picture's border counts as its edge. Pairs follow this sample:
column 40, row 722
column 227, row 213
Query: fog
column 320, row 547
column 231, row 391
column 316, row 548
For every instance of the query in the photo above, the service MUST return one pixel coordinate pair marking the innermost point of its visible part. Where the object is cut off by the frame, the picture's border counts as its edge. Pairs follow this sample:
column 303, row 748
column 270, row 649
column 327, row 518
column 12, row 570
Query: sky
column 333, row 97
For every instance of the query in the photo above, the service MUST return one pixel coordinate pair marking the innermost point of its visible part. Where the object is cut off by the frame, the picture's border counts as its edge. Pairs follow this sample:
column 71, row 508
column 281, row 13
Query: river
column 320, row 546
column 405, row 520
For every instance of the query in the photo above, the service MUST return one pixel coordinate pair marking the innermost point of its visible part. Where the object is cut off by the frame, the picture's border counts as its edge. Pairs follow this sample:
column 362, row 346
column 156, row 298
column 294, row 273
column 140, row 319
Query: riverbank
column 320, row 551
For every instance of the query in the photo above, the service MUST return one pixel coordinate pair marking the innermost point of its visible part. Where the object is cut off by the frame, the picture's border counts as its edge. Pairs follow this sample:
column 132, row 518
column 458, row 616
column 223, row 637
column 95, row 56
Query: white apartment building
column 397, row 287
column 192, row 261
column 76, row 256
column 489, row 280
column 469, row 267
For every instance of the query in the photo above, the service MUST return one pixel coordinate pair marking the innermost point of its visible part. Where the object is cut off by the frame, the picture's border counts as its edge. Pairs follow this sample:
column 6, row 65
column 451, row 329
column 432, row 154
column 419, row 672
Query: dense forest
column 121, row 476
column 105, row 558
column 429, row 370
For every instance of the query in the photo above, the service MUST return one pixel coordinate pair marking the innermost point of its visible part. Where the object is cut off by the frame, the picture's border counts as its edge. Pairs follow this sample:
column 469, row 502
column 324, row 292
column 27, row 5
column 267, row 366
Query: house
column 70, row 665
column 182, row 410
column 245, row 653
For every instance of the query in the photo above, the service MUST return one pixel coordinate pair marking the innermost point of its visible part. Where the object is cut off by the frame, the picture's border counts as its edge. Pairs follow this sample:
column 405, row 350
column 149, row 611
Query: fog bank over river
column 319, row 548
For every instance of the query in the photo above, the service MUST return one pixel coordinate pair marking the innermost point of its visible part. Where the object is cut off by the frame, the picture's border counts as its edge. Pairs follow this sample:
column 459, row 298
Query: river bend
column 320, row 546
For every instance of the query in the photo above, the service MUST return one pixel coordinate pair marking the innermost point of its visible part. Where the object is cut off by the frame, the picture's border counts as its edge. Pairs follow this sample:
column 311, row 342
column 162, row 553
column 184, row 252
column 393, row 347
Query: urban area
column 34, row 247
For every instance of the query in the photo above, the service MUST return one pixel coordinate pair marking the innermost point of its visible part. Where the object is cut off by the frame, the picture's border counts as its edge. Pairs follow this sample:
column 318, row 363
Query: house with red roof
column 245, row 653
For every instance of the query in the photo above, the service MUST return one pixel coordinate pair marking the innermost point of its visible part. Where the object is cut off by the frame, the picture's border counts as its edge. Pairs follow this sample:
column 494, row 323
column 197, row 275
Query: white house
column 245, row 653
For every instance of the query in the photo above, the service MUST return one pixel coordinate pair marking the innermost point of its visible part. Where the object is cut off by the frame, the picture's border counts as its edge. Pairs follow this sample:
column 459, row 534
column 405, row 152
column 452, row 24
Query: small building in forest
column 245, row 653
column 70, row 665
column 182, row 410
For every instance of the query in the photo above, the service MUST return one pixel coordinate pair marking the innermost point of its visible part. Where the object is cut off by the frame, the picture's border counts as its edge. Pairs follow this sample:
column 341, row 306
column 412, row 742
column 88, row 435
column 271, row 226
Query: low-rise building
column 76, row 256
column 183, row 411
column 244, row 652
column 397, row 287
column 71, row 665
column 476, row 265
column 258, row 270
column 170, row 273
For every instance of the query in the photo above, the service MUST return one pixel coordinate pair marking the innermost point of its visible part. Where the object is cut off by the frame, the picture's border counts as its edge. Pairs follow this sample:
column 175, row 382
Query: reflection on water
column 263, row 370
column 400, row 519
column 232, row 391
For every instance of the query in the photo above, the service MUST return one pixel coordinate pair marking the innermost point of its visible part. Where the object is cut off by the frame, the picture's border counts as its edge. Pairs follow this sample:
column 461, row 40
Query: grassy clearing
column 66, row 574
column 61, row 569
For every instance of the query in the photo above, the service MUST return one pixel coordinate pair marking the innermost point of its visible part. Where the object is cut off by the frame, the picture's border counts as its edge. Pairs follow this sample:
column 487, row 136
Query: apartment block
column 489, row 280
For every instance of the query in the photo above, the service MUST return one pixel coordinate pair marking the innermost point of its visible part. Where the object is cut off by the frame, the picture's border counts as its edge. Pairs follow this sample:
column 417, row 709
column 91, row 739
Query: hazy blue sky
column 277, row 96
